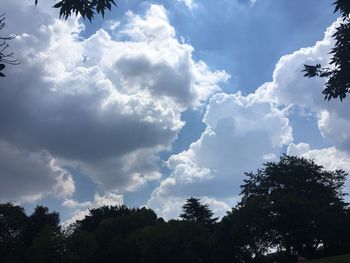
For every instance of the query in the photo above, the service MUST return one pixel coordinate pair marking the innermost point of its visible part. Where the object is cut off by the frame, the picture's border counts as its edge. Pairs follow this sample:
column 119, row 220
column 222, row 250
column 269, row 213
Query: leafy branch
column 86, row 8
column 338, row 82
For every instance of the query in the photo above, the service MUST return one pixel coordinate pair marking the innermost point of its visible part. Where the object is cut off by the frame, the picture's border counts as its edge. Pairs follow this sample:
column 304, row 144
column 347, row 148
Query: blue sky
column 162, row 100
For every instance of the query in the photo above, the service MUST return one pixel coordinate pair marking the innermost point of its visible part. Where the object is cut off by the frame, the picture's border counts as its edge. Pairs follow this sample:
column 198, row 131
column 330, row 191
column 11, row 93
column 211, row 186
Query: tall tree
column 244, row 235
column 12, row 227
column 299, row 201
column 194, row 211
column 42, row 220
column 338, row 74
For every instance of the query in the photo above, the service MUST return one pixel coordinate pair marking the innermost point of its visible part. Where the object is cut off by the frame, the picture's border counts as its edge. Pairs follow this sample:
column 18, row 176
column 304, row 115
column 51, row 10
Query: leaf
column 58, row 5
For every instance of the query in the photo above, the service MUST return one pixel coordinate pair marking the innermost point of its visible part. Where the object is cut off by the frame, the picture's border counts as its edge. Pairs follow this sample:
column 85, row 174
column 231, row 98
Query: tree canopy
column 338, row 74
column 293, row 206
column 297, row 204
column 194, row 211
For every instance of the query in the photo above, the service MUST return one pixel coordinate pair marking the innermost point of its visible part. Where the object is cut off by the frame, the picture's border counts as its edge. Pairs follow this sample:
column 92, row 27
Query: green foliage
column 293, row 205
column 297, row 204
column 47, row 247
column 80, row 248
column 12, row 227
column 338, row 80
column 86, row 8
column 41, row 219
column 92, row 221
column 194, row 211
column 175, row 241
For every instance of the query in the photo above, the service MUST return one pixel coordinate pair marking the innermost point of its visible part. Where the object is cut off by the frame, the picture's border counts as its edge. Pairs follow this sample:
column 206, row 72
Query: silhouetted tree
column 338, row 75
column 194, row 211
column 86, row 8
column 243, row 235
column 80, row 248
column 46, row 247
column 295, row 200
column 97, row 215
column 12, row 227
column 111, row 227
column 173, row 242
column 41, row 219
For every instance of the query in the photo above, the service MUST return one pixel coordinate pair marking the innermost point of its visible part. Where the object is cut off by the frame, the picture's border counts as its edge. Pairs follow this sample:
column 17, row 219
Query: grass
column 336, row 259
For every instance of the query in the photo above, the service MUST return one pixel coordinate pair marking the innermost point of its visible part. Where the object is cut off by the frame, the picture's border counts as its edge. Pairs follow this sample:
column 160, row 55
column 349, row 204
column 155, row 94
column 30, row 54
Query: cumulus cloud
column 241, row 134
column 290, row 87
column 330, row 158
column 108, row 106
column 244, row 132
column 28, row 176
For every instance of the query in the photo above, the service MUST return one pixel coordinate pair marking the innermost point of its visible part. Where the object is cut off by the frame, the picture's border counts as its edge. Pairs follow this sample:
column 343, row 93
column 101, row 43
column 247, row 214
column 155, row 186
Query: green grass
column 336, row 259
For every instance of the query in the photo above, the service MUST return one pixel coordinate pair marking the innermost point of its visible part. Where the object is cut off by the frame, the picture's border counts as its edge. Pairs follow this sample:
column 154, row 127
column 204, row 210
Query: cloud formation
column 241, row 134
column 28, row 176
column 106, row 105
column 291, row 88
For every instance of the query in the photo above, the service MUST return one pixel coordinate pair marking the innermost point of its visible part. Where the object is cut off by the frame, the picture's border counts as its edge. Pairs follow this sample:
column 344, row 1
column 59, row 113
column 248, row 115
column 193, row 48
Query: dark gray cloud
column 27, row 176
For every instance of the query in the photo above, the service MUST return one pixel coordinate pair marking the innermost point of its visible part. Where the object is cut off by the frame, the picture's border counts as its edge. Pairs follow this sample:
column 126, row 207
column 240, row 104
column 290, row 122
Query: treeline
column 288, row 209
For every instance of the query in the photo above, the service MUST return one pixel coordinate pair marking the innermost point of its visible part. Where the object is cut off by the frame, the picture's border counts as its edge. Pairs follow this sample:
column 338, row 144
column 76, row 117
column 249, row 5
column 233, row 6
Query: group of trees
column 292, row 207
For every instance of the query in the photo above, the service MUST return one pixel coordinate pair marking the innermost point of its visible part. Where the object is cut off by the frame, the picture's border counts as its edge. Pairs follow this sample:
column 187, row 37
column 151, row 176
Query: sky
column 163, row 100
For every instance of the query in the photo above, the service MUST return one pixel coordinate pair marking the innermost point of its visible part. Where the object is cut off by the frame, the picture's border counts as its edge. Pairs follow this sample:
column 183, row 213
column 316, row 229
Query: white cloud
column 290, row 87
column 244, row 132
column 108, row 106
column 330, row 158
column 241, row 134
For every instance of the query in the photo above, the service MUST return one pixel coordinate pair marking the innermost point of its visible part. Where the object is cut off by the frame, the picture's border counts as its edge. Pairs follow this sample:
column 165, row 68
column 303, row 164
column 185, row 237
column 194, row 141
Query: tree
column 194, row 211
column 5, row 57
column 338, row 75
column 42, row 220
column 173, row 242
column 12, row 227
column 300, row 204
column 111, row 227
column 243, row 235
column 86, row 8
column 97, row 215
column 80, row 248
column 46, row 247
